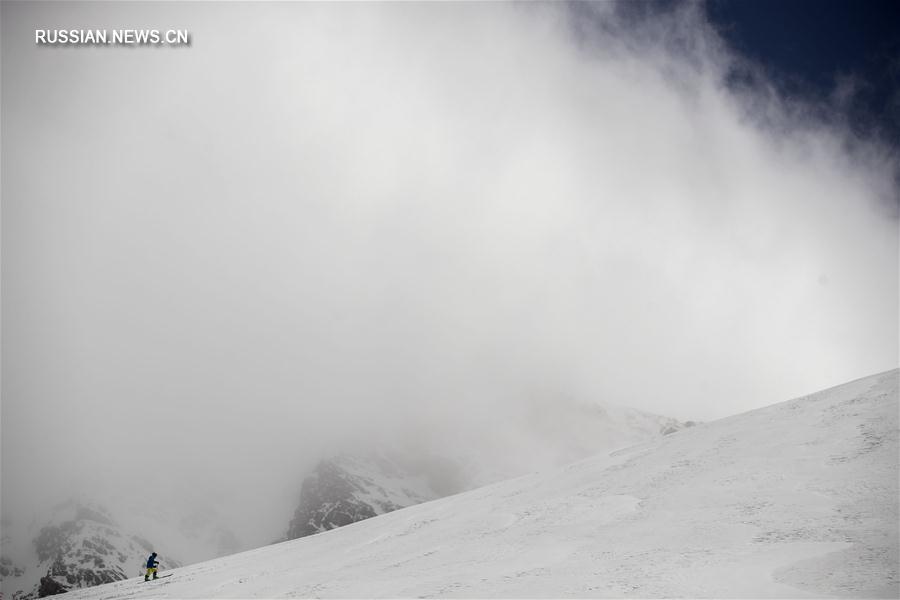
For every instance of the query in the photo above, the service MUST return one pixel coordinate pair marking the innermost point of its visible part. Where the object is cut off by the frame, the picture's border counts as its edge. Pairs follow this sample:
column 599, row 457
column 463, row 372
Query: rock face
column 346, row 489
column 81, row 546
column 82, row 543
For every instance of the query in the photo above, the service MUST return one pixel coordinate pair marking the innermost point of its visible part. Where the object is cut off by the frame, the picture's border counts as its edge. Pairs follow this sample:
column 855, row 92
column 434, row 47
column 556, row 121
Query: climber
column 152, row 563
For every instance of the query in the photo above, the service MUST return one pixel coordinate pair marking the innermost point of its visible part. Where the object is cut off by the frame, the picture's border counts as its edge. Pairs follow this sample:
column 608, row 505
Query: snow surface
column 798, row 499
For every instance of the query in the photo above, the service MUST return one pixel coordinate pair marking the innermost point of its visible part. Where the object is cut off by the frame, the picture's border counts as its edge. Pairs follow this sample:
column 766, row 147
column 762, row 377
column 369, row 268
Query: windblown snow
column 799, row 499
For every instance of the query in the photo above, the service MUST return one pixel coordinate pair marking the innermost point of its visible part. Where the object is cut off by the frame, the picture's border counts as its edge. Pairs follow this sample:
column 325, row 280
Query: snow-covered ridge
column 350, row 488
column 796, row 499
column 81, row 543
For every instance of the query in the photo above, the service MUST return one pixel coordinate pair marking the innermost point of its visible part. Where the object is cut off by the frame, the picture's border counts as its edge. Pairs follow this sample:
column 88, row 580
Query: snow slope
column 798, row 499
column 352, row 487
column 80, row 542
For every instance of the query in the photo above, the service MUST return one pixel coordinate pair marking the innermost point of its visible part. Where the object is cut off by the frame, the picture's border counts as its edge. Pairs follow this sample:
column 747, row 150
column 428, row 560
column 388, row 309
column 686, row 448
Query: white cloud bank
column 322, row 218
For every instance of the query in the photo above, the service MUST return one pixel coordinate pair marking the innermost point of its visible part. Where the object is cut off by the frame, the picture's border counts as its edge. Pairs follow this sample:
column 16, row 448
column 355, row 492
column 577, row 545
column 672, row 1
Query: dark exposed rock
column 672, row 426
column 63, row 576
column 49, row 542
column 82, row 547
column 50, row 587
column 326, row 502
column 345, row 490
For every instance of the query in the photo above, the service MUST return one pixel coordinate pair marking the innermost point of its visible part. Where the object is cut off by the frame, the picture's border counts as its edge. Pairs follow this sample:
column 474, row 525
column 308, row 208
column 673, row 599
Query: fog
column 321, row 223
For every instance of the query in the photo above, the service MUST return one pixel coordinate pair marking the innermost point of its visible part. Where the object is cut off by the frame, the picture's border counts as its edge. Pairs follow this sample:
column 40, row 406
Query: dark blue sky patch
column 845, row 53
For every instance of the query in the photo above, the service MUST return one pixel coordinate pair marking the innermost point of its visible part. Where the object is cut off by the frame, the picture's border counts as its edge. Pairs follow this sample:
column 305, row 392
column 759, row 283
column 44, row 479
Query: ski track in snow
column 799, row 499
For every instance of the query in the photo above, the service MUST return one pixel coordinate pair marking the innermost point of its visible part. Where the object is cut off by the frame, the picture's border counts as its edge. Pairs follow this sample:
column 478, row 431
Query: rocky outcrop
column 346, row 489
column 80, row 542
column 82, row 546
column 78, row 561
column 674, row 426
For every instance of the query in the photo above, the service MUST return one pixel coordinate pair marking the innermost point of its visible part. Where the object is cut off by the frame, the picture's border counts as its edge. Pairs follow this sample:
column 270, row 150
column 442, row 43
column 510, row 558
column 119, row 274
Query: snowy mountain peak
column 79, row 545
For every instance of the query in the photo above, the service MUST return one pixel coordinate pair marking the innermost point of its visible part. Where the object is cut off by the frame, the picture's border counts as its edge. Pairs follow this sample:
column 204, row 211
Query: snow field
column 799, row 499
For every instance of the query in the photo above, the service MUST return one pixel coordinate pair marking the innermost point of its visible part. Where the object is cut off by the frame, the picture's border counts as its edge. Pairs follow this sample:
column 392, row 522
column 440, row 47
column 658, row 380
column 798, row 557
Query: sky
column 324, row 222
column 843, row 52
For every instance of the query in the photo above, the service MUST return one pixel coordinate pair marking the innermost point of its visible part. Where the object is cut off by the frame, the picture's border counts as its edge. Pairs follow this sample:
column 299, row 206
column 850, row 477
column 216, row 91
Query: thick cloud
column 321, row 221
